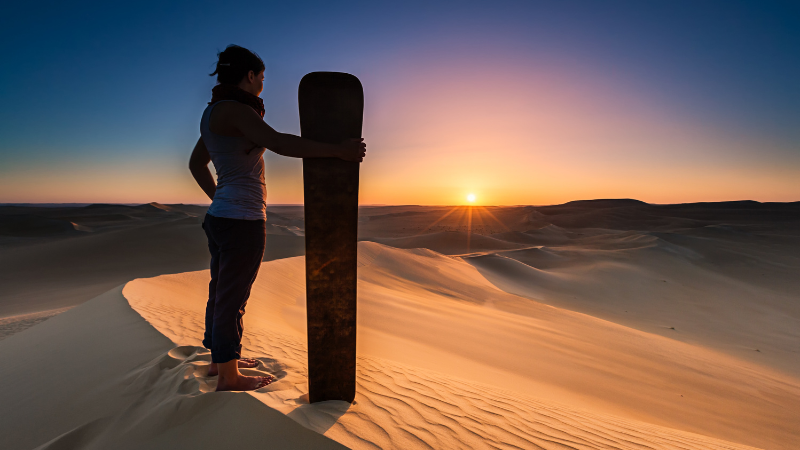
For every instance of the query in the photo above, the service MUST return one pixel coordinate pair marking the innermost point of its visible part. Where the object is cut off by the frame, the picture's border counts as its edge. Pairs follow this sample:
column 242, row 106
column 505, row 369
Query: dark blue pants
column 237, row 248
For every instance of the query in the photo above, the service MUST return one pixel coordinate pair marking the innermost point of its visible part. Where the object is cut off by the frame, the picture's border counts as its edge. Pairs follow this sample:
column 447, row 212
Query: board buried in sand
column 331, row 110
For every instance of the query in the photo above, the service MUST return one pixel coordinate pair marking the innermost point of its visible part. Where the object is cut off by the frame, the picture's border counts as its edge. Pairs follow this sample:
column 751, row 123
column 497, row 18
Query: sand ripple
column 397, row 406
column 14, row 324
column 413, row 408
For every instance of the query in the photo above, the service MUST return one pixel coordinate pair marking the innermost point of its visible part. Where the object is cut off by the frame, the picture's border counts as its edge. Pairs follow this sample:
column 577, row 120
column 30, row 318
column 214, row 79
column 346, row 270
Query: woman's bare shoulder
column 226, row 115
column 231, row 106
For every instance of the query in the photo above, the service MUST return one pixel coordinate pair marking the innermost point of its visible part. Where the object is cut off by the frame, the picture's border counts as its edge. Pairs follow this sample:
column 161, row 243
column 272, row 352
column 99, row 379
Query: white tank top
column 241, row 190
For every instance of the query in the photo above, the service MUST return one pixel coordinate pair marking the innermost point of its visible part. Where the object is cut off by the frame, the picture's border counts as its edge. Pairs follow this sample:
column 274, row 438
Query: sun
column 471, row 198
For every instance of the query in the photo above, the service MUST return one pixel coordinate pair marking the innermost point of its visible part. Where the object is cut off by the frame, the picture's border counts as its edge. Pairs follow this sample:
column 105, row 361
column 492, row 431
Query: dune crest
column 443, row 352
column 103, row 378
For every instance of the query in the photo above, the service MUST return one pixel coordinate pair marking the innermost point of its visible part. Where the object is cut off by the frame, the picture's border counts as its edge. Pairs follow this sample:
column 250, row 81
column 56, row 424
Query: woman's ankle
column 228, row 371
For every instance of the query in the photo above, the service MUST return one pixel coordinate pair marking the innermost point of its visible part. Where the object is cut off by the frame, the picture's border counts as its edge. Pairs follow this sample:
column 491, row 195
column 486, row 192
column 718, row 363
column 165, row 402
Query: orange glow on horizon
column 516, row 134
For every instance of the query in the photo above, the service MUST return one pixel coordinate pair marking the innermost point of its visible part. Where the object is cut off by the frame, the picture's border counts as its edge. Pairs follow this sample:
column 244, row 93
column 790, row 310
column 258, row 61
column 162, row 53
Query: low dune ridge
column 636, row 215
column 549, row 235
column 450, row 242
column 517, row 237
column 81, row 252
column 406, row 221
column 14, row 324
column 29, row 225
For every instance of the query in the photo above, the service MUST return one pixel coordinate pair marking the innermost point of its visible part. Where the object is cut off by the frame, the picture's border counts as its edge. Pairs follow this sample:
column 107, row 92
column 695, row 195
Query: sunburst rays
column 471, row 216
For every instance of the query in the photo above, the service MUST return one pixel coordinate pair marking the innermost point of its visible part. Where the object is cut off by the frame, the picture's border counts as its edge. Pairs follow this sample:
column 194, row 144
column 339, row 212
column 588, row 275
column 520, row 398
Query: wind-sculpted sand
column 14, row 324
column 447, row 360
column 557, row 337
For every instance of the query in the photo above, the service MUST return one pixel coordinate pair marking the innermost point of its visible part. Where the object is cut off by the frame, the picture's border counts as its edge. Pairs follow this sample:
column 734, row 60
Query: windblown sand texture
column 608, row 324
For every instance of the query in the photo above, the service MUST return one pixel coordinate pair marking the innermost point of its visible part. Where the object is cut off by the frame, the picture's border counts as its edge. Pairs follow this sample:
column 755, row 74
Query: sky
column 516, row 102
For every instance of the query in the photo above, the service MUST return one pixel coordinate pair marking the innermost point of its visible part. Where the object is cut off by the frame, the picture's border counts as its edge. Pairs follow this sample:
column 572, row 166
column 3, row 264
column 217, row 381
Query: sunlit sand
column 590, row 325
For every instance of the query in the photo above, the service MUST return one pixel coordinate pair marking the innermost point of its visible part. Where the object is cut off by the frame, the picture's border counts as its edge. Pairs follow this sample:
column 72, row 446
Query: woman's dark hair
column 234, row 63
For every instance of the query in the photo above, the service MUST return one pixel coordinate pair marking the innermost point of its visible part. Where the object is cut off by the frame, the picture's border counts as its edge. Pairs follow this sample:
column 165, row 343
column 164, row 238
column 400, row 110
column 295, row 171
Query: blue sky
column 118, row 88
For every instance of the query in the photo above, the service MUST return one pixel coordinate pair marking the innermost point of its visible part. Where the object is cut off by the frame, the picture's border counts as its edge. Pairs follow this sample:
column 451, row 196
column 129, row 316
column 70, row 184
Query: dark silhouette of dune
column 395, row 215
column 45, row 263
column 518, row 237
column 636, row 215
column 606, row 203
column 145, row 210
column 30, row 225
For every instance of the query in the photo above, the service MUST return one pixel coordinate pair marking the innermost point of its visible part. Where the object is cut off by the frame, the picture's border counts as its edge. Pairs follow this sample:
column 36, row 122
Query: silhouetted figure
column 234, row 137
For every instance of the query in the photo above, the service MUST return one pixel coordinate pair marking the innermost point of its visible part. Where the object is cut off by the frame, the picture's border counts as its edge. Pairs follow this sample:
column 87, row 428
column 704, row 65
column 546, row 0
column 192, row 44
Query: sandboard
column 331, row 110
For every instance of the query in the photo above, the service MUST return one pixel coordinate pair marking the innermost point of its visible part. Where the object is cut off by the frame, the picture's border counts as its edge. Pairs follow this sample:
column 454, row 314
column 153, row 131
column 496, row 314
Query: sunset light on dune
column 476, row 224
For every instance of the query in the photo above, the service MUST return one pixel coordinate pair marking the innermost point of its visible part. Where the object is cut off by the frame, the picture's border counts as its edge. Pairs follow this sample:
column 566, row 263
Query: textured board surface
column 331, row 110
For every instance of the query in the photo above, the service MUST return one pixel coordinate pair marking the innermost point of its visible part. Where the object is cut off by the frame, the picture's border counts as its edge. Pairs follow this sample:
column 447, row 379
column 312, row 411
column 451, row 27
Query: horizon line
column 84, row 204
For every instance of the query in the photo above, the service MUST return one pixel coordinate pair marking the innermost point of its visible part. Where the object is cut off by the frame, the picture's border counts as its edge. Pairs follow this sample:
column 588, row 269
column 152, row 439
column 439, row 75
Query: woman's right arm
column 198, row 165
column 250, row 124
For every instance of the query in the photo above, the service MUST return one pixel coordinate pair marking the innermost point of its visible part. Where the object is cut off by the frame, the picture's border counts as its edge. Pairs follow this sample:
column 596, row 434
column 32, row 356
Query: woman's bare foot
column 244, row 383
column 244, row 363
column 230, row 379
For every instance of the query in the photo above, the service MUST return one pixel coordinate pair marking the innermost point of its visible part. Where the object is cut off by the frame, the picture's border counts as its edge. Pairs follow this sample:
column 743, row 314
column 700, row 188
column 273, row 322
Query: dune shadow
column 319, row 416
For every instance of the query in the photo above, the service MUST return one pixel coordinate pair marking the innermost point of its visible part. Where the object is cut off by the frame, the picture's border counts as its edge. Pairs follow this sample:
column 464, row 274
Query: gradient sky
column 519, row 102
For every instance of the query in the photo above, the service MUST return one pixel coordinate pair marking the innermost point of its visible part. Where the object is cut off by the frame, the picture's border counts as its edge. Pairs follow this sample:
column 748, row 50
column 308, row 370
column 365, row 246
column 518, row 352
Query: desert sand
column 599, row 324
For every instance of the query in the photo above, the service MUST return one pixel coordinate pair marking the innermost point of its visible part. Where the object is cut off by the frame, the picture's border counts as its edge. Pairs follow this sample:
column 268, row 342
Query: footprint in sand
column 187, row 367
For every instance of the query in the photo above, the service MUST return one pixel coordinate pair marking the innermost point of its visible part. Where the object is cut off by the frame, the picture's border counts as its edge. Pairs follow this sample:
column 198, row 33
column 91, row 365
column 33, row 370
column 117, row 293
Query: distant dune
column 29, row 225
column 450, row 242
column 54, row 257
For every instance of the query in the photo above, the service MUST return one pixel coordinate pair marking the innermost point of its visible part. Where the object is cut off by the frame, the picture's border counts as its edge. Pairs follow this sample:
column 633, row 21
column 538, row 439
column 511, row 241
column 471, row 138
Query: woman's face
column 253, row 83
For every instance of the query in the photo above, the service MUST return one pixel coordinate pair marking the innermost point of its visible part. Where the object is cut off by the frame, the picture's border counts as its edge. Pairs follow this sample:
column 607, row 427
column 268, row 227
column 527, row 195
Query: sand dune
column 602, row 324
column 635, row 215
column 14, row 324
column 149, row 394
column 680, row 287
column 103, row 378
column 450, row 242
column 101, row 246
column 28, row 225
column 440, row 347
column 407, row 221
column 43, row 271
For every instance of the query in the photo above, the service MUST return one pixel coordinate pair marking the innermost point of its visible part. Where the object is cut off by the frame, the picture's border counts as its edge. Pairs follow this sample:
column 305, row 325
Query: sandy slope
column 599, row 324
column 125, row 242
column 731, row 296
column 12, row 325
column 102, row 378
column 447, row 359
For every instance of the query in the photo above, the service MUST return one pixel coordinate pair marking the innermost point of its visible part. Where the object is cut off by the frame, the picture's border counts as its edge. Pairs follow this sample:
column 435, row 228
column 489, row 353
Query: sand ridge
column 14, row 324
column 139, row 391
column 599, row 324
column 427, row 315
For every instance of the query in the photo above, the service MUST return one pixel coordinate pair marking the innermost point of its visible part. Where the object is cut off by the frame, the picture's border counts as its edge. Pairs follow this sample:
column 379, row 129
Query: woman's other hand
column 352, row 150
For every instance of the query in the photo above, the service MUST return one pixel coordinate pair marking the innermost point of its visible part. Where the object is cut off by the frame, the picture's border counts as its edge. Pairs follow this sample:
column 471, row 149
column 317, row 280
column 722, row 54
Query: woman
column 234, row 137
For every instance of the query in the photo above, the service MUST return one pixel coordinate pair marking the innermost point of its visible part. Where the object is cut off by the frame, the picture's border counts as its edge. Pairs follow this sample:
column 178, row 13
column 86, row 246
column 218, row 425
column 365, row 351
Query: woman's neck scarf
column 232, row 92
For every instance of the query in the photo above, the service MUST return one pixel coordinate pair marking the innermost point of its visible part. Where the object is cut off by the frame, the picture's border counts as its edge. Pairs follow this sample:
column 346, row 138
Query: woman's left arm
column 198, row 165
